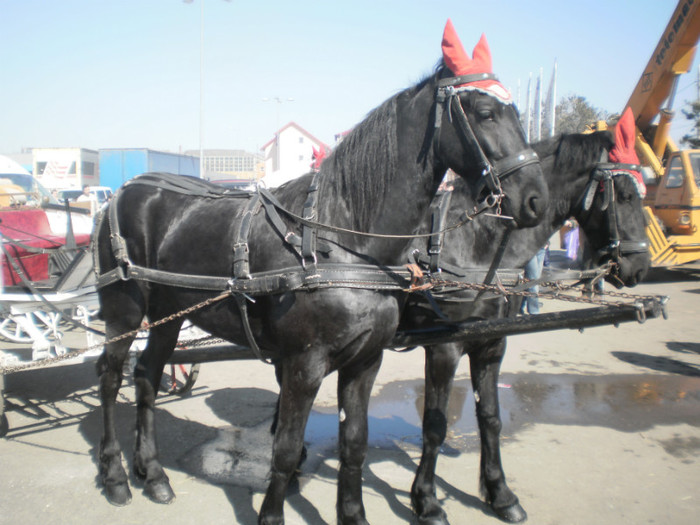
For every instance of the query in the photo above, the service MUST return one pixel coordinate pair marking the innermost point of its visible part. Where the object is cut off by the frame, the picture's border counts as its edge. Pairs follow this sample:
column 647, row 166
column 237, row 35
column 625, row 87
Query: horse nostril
column 533, row 207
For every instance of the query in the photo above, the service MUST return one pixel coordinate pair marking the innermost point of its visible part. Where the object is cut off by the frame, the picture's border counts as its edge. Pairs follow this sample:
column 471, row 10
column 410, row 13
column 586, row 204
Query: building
column 118, row 165
column 66, row 167
column 289, row 154
column 233, row 165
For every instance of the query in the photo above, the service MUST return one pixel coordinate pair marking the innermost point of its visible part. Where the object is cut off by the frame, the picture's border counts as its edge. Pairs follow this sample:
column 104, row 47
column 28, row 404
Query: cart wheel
column 178, row 380
column 11, row 330
column 15, row 328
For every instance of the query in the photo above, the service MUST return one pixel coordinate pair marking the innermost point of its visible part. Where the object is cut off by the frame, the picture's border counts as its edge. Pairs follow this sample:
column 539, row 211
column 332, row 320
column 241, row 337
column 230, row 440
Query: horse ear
column 624, row 140
column 482, row 56
column 457, row 58
column 453, row 51
column 624, row 131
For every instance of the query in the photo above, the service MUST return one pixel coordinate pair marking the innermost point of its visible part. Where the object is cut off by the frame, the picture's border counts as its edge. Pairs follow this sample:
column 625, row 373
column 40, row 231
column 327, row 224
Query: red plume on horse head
column 317, row 156
column 460, row 63
column 624, row 151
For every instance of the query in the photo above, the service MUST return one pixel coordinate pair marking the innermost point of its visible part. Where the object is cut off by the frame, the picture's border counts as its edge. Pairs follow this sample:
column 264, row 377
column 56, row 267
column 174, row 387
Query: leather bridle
column 603, row 180
column 447, row 99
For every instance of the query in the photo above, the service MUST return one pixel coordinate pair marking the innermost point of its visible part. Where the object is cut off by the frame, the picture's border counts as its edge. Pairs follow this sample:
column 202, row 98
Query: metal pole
column 201, row 89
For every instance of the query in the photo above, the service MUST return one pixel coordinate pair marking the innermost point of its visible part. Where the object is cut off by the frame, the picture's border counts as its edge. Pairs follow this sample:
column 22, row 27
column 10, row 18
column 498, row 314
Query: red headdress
column 318, row 155
column 460, row 64
column 624, row 152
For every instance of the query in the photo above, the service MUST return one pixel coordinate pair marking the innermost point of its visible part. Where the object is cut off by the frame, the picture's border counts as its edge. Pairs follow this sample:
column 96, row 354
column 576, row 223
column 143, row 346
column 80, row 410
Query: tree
column 574, row 113
column 692, row 140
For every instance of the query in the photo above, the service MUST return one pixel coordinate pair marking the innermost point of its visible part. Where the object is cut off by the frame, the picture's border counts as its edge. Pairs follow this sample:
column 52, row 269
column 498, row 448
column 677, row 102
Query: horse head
column 611, row 213
column 478, row 133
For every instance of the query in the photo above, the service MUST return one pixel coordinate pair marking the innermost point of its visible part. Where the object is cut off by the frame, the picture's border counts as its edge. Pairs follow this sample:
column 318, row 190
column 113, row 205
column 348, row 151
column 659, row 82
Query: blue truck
column 121, row 164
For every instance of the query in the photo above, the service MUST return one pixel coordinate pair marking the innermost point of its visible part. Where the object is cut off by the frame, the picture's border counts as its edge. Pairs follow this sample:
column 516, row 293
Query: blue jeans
column 533, row 270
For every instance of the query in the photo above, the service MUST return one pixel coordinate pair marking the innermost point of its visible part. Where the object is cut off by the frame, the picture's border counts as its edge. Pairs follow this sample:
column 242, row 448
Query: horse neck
column 566, row 190
column 477, row 243
column 375, row 182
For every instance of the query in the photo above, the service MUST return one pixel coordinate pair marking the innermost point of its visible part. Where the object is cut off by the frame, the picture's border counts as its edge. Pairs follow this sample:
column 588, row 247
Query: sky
column 127, row 73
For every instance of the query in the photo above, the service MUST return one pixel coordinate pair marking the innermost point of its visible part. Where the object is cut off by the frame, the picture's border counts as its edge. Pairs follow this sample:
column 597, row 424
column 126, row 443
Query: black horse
column 614, row 226
column 158, row 239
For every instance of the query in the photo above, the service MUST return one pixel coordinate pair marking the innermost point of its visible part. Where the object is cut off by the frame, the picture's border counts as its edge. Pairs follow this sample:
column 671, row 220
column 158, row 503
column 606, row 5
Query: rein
column 487, row 204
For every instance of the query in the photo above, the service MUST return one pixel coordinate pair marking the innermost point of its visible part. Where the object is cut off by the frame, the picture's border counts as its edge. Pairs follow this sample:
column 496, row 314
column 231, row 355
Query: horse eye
column 485, row 114
column 624, row 196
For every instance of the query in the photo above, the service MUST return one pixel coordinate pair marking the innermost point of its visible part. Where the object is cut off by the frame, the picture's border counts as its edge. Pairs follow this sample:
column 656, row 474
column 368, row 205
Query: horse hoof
column 513, row 514
column 436, row 519
column 118, row 494
column 432, row 520
column 159, row 492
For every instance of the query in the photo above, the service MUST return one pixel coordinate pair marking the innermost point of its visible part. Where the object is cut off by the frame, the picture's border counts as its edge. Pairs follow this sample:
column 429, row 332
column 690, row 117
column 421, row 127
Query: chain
column 558, row 292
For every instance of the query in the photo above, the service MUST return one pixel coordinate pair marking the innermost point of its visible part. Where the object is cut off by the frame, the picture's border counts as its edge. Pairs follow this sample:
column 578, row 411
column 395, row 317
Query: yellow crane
column 672, row 204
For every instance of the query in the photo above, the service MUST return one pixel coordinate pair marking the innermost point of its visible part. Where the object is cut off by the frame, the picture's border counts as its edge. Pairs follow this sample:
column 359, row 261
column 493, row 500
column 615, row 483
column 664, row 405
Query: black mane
column 575, row 152
column 366, row 161
column 356, row 168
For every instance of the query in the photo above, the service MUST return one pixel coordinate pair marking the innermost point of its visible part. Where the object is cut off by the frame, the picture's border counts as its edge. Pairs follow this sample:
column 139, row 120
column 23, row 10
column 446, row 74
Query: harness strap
column 438, row 218
column 119, row 249
column 506, row 166
column 241, row 266
column 241, row 302
column 271, row 206
column 359, row 276
column 186, row 185
column 308, row 234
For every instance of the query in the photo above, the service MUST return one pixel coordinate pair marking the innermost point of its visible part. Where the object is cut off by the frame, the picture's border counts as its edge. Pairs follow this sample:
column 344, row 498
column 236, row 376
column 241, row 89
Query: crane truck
column 672, row 175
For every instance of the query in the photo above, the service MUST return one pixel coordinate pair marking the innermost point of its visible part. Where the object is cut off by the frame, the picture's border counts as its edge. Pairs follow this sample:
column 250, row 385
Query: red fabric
column 318, row 156
column 30, row 227
column 457, row 58
column 459, row 62
column 624, row 151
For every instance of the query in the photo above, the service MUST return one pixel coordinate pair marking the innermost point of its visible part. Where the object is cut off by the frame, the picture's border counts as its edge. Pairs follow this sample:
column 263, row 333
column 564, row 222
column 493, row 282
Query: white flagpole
column 553, row 102
column 538, row 108
column 527, row 110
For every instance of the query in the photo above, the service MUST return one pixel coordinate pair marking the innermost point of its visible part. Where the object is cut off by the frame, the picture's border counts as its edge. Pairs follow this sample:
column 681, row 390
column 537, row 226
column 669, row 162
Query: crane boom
column 673, row 56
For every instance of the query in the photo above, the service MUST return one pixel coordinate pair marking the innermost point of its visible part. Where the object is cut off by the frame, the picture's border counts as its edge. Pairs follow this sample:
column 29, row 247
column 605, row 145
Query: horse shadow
column 673, row 275
column 236, row 456
column 664, row 364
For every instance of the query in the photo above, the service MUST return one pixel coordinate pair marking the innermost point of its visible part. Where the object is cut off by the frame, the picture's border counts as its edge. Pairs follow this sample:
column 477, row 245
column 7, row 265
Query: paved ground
column 599, row 427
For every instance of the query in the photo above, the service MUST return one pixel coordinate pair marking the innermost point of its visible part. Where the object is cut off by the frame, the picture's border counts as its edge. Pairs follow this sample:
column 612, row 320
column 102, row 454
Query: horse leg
column 301, row 378
column 118, row 320
column 485, row 365
column 147, row 376
column 354, row 391
column 273, row 426
column 440, row 367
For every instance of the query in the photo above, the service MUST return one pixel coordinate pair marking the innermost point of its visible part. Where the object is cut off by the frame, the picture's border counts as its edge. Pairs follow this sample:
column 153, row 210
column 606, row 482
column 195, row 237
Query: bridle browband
column 603, row 178
column 447, row 99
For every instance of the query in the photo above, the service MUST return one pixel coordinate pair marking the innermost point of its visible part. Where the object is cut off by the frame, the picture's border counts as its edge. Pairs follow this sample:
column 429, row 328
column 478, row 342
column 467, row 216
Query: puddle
column 240, row 454
column 628, row 403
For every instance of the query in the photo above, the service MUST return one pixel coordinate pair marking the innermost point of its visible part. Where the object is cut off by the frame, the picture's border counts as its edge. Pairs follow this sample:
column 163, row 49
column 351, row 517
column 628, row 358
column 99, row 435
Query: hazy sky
column 126, row 73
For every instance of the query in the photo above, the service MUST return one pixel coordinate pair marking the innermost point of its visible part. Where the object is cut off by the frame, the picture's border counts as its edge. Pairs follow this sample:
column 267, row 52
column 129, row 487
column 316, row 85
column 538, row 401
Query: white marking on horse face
column 477, row 397
column 341, row 415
